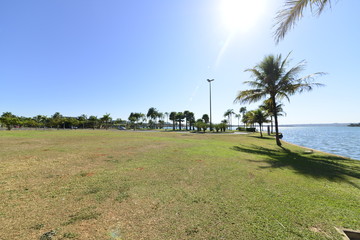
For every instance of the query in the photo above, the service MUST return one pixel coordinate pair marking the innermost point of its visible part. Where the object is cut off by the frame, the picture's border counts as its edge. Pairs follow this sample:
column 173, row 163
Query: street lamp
column 210, row 80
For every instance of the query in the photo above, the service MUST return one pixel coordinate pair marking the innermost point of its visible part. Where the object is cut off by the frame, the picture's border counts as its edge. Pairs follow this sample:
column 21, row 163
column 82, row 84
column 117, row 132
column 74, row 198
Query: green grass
column 162, row 185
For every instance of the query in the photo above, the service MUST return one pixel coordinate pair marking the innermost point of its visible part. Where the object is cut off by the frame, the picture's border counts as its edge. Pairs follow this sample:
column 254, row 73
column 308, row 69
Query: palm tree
column 82, row 120
column 173, row 118
column 206, row 118
column 106, row 119
column 152, row 114
column 180, row 116
column 238, row 116
column 229, row 114
column 266, row 106
column 292, row 12
column 243, row 111
column 160, row 116
column 274, row 82
column 191, row 119
column 187, row 118
column 167, row 118
column 259, row 117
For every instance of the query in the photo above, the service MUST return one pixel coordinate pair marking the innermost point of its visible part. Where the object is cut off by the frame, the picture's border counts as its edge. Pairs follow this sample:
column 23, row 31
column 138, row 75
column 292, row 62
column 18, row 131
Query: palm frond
column 292, row 12
column 250, row 96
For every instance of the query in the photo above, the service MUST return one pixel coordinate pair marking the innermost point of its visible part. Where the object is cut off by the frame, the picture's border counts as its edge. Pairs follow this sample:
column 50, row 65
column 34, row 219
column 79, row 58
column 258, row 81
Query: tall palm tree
column 274, row 82
column 292, row 12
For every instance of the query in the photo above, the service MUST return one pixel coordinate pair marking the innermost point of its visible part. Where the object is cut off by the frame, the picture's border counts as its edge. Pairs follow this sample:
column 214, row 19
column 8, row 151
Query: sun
column 241, row 15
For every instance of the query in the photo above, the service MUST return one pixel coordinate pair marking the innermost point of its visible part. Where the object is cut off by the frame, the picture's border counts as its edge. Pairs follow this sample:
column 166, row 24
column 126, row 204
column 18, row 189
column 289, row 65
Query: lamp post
column 210, row 80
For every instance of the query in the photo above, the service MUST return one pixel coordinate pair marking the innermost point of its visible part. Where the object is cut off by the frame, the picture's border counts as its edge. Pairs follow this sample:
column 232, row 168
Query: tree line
column 153, row 119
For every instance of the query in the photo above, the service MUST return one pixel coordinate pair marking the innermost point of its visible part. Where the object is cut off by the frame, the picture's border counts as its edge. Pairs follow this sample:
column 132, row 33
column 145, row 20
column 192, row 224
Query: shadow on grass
column 330, row 167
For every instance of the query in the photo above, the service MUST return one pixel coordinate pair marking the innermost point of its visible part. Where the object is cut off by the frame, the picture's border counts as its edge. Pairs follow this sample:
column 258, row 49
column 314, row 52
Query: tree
column 56, row 120
column 229, row 114
column 152, row 114
column 187, row 118
column 160, row 116
column 82, row 120
column 272, row 81
column 106, row 120
column 93, row 120
column 238, row 116
column 206, row 118
column 167, row 118
column 292, row 12
column 243, row 111
column 259, row 117
column 134, row 119
column 267, row 106
column 180, row 117
column 191, row 119
column 40, row 120
column 173, row 118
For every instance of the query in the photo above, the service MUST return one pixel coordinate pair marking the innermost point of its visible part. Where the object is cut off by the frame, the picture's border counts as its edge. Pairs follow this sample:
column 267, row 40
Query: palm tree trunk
column 276, row 122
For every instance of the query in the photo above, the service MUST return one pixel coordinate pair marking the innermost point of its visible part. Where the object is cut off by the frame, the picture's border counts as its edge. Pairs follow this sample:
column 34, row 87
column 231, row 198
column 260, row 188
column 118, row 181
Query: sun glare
column 241, row 15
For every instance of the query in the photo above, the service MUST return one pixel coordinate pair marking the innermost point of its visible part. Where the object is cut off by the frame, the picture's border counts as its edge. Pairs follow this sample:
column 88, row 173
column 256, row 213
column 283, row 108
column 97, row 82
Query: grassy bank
column 150, row 185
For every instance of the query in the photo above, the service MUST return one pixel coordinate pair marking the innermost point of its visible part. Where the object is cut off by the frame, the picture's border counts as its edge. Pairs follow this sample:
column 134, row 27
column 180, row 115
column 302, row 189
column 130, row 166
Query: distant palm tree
column 106, row 119
column 187, row 118
column 267, row 106
column 229, row 114
column 191, row 119
column 292, row 12
column 206, row 118
column 180, row 117
column 167, row 118
column 259, row 117
column 152, row 114
column 273, row 81
column 173, row 118
column 238, row 116
column 243, row 111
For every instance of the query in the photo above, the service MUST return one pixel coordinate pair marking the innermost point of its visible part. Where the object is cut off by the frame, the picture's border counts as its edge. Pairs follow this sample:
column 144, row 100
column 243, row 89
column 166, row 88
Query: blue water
column 339, row 140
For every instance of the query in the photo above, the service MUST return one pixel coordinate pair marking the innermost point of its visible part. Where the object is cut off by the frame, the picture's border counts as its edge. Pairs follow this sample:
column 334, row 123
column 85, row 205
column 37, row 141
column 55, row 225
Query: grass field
column 151, row 185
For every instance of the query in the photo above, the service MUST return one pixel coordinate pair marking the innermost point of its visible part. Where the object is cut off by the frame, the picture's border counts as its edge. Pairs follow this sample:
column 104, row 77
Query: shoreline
column 316, row 150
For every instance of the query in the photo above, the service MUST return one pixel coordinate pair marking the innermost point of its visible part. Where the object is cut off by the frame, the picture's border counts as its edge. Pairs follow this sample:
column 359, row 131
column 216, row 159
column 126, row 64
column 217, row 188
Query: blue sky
column 97, row 57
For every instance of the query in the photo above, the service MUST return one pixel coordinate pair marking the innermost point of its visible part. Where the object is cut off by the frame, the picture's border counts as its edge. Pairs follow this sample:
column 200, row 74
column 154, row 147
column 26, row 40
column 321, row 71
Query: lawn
column 94, row 184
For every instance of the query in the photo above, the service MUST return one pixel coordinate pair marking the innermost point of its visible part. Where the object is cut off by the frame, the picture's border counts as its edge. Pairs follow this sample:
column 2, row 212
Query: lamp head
column 210, row 80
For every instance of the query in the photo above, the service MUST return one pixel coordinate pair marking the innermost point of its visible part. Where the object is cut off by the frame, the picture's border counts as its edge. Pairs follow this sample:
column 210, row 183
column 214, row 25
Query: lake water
column 339, row 140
